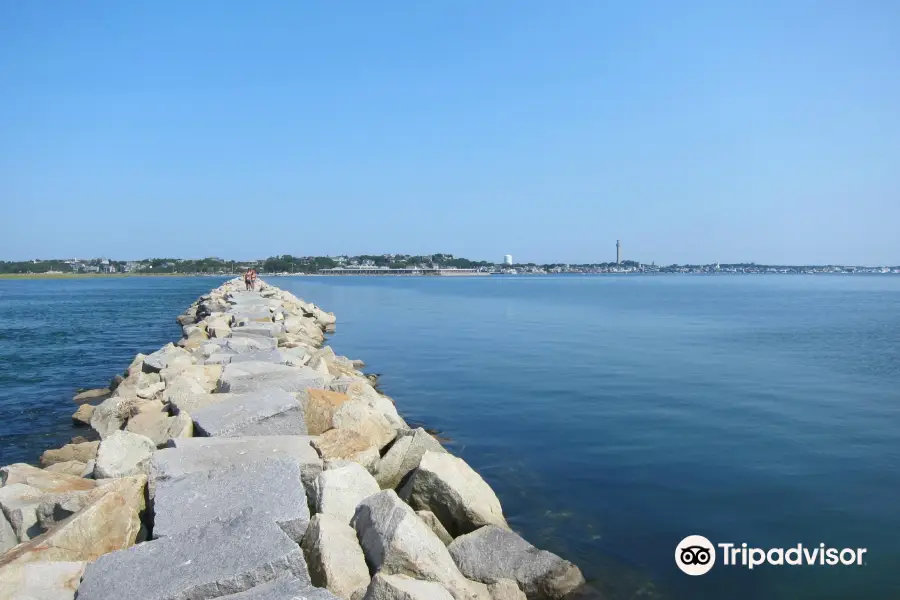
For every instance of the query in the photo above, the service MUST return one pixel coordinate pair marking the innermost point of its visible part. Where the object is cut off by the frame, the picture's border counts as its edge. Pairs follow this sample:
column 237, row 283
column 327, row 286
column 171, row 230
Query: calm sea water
column 612, row 415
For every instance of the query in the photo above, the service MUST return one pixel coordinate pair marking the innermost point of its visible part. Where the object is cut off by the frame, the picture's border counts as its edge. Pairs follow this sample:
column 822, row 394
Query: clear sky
column 737, row 130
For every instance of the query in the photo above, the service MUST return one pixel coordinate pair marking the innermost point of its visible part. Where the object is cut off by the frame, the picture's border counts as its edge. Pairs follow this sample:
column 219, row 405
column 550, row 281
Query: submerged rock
column 94, row 396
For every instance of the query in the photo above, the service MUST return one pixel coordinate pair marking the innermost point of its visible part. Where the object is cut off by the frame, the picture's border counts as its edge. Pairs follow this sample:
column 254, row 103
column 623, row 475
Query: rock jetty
column 250, row 462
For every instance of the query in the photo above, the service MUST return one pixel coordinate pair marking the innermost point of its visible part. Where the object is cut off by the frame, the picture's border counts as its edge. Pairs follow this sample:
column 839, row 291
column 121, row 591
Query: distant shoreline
column 101, row 275
column 35, row 276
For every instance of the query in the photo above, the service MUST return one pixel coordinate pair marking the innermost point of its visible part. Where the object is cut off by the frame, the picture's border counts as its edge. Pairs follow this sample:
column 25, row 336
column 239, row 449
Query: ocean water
column 613, row 415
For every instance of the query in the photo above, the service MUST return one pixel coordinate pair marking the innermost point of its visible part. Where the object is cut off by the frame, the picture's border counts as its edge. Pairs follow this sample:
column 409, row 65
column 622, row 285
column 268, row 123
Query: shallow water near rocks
column 612, row 415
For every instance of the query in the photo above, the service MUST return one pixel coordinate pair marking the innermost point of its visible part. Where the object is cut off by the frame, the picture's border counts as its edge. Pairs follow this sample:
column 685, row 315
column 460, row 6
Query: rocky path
column 249, row 462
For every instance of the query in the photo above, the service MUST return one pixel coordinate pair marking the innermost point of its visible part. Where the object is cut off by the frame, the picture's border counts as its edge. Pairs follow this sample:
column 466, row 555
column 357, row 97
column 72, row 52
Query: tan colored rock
column 19, row 504
column 45, row 481
column 320, row 408
column 82, row 416
column 150, row 407
column 111, row 522
column 80, row 452
column 96, row 395
column 205, row 375
column 57, row 580
column 159, row 427
column 343, row 444
column 151, row 391
column 70, row 467
column 194, row 341
column 335, row 560
column 506, row 589
column 368, row 421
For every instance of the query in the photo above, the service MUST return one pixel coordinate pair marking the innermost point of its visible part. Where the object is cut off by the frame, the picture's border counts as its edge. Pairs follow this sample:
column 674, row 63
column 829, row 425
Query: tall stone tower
column 618, row 252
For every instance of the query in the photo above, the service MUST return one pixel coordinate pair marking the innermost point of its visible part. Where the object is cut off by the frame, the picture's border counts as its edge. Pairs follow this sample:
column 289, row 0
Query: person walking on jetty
column 248, row 279
column 252, row 279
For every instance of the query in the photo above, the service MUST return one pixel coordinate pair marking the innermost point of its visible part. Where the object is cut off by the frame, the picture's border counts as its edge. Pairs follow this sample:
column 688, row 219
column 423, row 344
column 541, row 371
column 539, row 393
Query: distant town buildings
column 404, row 264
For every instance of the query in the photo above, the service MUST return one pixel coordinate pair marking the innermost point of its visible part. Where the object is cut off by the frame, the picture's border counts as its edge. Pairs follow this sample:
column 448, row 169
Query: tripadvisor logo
column 696, row 555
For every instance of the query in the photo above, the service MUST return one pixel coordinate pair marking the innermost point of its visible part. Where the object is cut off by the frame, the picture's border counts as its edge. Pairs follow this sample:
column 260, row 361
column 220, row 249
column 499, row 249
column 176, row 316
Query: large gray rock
column 273, row 488
column 339, row 491
column 397, row 542
column 401, row 587
column 242, row 344
column 286, row 589
column 224, row 557
column 54, row 580
column 220, row 358
column 238, row 378
column 110, row 415
column 183, row 390
column 168, row 356
column 404, row 456
column 492, row 554
column 193, row 455
column 335, row 560
column 269, row 411
column 260, row 329
column 122, row 454
column 454, row 492
column 272, row 356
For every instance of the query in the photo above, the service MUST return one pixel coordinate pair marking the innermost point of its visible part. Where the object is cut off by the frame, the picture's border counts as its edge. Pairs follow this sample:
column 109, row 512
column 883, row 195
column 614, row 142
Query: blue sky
column 693, row 131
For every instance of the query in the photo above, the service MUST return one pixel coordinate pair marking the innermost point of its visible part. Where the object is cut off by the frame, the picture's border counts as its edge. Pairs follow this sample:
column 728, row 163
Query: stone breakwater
column 250, row 462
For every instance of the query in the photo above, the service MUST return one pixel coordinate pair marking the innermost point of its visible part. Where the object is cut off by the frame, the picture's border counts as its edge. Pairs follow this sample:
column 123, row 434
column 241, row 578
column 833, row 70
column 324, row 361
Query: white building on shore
column 507, row 259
